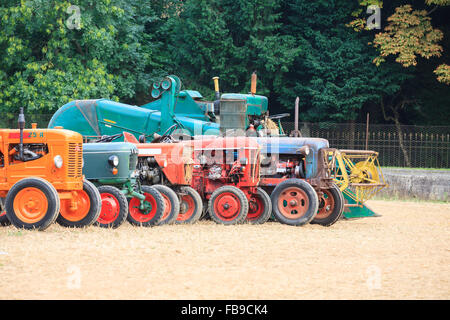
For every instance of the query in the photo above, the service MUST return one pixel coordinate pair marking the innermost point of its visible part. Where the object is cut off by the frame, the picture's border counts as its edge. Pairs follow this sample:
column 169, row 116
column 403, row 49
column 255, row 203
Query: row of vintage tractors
column 148, row 184
column 180, row 159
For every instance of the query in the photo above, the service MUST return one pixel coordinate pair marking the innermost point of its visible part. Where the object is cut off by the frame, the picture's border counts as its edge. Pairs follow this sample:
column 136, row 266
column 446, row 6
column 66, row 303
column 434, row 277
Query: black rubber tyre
column 332, row 208
column 171, row 198
column 4, row 219
column 218, row 201
column 94, row 209
column 134, row 213
column 191, row 206
column 261, row 208
column 47, row 190
column 303, row 198
column 114, row 210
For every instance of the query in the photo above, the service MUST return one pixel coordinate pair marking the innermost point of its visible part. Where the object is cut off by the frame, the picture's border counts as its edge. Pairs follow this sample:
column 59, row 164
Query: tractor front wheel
column 172, row 204
column 331, row 207
column 32, row 203
column 294, row 202
column 114, row 207
column 83, row 209
column 260, row 207
column 191, row 206
column 228, row 205
column 4, row 219
column 149, row 212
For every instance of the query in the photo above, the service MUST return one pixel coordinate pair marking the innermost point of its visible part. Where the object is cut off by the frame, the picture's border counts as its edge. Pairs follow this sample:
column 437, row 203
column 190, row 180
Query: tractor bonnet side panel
column 96, row 161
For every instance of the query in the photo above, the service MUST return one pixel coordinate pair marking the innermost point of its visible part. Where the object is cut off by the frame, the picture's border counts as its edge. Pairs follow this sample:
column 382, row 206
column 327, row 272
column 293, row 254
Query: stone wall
column 416, row 184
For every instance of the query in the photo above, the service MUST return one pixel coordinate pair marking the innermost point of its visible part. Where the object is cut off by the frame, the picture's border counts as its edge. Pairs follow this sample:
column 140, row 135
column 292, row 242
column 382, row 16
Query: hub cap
column 293, row 203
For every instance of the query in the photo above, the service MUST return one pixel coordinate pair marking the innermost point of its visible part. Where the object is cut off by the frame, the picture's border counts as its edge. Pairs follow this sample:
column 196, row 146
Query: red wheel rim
column 293, row 203
column 326, row 205
column 187, row 208
column 255, row 208
column 137, row 214
column 110, row 208
column 168, row 207
column 2, row 213
column 227, row 206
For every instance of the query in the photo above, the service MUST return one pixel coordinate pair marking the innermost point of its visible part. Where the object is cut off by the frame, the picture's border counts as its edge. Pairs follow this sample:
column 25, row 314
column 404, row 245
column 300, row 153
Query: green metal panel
column 97, row 167
column 357, row 212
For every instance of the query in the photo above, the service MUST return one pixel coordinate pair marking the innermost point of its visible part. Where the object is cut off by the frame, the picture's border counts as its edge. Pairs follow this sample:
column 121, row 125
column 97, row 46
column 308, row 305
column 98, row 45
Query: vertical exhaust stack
column 216, row 104
column 216, row 88
column 253, row 83
column 21, row 122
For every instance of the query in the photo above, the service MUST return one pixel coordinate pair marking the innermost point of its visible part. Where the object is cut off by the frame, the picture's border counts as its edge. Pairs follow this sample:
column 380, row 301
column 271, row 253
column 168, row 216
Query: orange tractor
column 41, row 179
column 168, row 168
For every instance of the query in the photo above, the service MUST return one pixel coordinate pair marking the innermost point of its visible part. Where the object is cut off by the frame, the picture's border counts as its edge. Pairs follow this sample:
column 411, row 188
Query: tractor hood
column 288, row 145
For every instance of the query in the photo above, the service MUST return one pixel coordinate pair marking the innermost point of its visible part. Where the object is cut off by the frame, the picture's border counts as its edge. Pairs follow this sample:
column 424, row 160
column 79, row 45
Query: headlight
column 58, row 160
column 114, row 161
column 305, row 150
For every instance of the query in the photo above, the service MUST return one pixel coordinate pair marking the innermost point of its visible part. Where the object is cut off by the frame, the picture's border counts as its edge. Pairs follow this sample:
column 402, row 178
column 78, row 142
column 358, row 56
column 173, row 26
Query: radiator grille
column 75, row 160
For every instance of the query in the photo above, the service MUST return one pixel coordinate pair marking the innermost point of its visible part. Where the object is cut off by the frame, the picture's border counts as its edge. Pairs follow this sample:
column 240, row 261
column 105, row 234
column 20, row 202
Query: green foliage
column 333, row 76
column 443, row 73
column 408, row 34
column 45, row 64
column 230, row 39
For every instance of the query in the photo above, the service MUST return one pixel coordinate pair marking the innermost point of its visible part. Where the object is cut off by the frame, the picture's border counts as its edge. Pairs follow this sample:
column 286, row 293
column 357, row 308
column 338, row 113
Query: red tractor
column 168, row 167
column 226, row 174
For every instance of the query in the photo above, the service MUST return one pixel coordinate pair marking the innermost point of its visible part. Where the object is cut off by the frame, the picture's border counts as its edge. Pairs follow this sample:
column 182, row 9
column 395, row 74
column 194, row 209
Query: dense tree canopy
column 114, row 49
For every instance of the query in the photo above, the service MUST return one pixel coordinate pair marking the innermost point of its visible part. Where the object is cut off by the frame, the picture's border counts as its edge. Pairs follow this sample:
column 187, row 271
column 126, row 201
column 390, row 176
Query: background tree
column 45, row 64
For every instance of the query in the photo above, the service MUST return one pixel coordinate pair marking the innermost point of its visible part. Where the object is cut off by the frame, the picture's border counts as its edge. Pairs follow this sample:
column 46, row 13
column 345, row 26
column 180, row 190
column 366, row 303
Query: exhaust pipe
column 21, row 122
column 253, row 83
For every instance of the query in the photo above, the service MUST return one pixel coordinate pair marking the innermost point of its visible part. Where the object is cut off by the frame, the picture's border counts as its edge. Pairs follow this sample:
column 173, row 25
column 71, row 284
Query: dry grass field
column 405, row 254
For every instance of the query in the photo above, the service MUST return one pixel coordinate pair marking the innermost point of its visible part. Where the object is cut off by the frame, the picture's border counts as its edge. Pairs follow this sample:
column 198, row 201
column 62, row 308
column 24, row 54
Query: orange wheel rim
column 168, row 207
column 293, row 203
column 77, row 208
column 187, row 208
column 326, row 205
column 30, row 205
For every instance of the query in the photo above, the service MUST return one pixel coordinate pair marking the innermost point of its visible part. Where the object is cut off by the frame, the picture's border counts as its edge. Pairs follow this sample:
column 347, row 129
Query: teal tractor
column 102, row 117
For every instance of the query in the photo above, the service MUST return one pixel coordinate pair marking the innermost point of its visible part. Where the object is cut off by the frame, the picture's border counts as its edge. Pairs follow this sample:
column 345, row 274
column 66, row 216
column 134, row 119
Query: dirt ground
column 405, row 254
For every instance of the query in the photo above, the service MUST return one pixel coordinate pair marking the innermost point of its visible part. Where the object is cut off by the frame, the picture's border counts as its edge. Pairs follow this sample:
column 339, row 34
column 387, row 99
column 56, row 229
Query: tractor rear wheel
column 32, row 203
column 260, row 207
column 172, row 204
column 294, row 202
column 153, row 209
column 87, row 207
column 331, row 207
column 191, row 206
column 228, row 205
column 114, row 207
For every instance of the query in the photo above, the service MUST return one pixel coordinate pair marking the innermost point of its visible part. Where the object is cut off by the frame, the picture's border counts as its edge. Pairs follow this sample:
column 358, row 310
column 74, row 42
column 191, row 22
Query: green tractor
column 111, row 167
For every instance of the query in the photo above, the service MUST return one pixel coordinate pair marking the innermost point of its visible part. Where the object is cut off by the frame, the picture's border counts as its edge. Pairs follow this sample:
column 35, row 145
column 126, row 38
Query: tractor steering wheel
column 109, row 138
column 166, row 137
